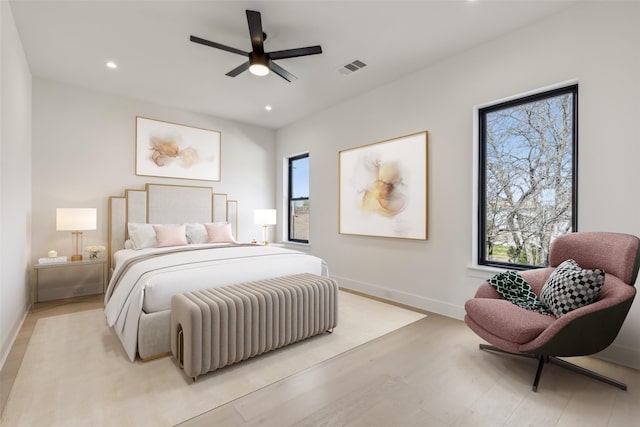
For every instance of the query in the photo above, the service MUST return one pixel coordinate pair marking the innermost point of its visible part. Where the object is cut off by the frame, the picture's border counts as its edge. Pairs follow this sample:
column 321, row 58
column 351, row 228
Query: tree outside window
column 528, row 170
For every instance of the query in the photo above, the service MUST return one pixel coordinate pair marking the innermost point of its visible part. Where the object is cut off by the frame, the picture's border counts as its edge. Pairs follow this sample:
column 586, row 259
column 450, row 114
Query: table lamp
column 76, row 220
column 265, row 218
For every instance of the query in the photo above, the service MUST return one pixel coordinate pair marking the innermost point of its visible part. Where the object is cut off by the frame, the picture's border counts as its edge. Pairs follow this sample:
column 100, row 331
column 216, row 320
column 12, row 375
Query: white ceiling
column 69, row 41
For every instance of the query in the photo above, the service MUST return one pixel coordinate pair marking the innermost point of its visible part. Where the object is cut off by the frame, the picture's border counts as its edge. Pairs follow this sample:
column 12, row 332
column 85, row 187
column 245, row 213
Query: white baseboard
column 406, row 298
column 614, row 353
column 621, row 355
column 9, row 344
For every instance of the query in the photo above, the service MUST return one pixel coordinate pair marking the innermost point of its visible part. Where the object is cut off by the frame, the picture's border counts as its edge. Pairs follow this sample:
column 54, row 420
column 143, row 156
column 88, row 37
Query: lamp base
column 76, row 237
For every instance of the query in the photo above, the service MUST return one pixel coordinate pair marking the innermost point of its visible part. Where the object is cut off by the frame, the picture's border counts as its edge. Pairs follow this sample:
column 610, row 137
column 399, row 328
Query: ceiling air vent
column 351, row 67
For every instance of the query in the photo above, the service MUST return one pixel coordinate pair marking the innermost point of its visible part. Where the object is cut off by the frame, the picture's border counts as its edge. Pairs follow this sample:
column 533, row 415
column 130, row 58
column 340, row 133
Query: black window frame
column 291, row 199
column 482, row 170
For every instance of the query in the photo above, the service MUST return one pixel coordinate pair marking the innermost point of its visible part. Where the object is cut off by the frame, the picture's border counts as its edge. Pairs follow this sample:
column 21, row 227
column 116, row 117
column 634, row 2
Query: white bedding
column 147, row 284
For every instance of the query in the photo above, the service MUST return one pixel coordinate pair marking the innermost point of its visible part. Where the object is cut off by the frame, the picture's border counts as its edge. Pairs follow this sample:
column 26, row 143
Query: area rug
column 75, row 372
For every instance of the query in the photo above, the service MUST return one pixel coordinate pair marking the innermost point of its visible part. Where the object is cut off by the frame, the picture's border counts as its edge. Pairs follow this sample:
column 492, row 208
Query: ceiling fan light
column 258, row 69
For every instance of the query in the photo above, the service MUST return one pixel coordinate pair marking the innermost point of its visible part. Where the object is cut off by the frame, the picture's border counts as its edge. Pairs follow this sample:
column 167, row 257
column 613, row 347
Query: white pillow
column 142, row 235
column 196, row 233
column 219, row 233
column 170, row 235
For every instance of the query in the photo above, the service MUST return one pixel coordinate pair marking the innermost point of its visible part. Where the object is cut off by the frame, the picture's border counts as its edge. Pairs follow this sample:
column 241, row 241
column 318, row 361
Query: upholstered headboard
column 166, row 204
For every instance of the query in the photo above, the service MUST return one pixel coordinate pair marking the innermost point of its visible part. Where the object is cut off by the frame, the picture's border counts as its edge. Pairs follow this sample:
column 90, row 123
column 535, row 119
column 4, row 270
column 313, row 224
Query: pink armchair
column 583, row 331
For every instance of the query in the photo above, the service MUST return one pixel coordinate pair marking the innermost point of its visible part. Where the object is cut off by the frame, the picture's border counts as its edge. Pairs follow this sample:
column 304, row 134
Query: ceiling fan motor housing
column 260, row 62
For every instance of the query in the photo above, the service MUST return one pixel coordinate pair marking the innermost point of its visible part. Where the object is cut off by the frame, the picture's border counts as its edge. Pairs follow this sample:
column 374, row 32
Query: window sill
column 296, row 245
column 483, row 271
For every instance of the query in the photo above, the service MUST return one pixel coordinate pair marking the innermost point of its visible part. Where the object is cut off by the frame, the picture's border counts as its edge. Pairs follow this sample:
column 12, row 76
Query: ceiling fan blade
column 239, row 69
column 292, row 53
column 281, row 72
column 218, row 45
column 255, row 30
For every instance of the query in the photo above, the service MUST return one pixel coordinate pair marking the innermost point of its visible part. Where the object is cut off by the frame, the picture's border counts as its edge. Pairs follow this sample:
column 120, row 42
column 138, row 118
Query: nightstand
column 64, row 275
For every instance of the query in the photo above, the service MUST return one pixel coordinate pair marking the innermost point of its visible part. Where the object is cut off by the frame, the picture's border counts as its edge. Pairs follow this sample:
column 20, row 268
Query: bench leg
column 181, row 348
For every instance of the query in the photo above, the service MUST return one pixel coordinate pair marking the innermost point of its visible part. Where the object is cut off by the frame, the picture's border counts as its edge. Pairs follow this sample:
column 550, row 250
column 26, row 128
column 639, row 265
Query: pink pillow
column 219, row 233
column 170, row 236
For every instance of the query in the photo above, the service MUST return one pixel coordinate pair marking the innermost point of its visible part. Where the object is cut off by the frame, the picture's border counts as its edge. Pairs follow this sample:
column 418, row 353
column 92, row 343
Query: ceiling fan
column 260, row 62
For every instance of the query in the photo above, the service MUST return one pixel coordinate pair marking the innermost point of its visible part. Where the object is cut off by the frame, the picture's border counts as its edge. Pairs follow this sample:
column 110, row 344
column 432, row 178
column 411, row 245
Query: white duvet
column 145, row 280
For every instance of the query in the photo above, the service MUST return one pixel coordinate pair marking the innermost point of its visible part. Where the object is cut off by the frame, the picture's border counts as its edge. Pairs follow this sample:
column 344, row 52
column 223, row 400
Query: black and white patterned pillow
column 512, row 287
column 570, row 287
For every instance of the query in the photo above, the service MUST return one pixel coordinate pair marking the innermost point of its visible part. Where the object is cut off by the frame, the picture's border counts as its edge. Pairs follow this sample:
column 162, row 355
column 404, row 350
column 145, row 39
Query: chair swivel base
column 557, row 361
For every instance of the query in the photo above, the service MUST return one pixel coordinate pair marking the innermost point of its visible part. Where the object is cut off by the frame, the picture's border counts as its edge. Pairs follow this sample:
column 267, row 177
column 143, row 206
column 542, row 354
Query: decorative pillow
column 512, row 287
column 142, row 235
column 170, row 235
column 219, row 233
column 196, row 233
column 570, row 287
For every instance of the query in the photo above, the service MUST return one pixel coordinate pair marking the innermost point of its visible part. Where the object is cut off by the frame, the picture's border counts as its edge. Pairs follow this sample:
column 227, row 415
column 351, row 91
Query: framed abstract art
column 176, row 151
column 383, row 188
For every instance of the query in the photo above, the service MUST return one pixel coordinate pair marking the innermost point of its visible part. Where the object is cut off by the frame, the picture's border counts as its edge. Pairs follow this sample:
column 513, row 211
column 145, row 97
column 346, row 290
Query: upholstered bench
column 216, row 327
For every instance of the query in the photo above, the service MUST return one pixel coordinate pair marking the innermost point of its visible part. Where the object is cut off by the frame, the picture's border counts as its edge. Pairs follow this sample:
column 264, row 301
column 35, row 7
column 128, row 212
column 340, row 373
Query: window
column 299, row 198
column 527, row 177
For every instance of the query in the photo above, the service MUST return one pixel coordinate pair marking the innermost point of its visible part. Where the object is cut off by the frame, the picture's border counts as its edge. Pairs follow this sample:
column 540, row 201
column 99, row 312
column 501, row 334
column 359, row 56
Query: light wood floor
column 429, row 373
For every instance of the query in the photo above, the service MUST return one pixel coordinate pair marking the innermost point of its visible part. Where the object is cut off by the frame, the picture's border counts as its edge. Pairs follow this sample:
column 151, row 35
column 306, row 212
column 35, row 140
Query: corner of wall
column 15, row 183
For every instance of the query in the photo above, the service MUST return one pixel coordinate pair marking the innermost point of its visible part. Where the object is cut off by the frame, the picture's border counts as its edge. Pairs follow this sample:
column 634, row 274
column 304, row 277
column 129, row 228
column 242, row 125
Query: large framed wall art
column 383, row 188
column 176, row 151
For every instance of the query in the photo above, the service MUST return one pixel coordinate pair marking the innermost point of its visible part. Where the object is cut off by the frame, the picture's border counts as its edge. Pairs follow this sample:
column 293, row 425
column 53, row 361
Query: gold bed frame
column 166, row 204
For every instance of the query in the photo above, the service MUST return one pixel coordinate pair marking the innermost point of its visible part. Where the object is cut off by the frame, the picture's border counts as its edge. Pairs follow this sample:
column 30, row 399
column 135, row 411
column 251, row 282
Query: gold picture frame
column 170, row 150
column 383, row 188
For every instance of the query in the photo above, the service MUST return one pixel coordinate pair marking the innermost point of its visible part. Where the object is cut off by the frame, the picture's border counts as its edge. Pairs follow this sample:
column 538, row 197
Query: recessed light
column 268, row 107
column 111, row 64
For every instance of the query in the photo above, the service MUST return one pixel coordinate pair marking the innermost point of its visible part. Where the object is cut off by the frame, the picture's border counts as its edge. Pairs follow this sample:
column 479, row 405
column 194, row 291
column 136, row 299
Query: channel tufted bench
column 216, row 327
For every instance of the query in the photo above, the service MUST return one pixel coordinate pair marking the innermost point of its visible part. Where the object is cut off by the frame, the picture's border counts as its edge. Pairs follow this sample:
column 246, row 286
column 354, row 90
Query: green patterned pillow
column 512, row 287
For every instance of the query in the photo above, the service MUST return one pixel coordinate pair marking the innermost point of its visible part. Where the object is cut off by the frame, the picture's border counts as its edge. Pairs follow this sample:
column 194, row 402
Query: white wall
column 15, row 181
column 84, row 152
column 595, row 43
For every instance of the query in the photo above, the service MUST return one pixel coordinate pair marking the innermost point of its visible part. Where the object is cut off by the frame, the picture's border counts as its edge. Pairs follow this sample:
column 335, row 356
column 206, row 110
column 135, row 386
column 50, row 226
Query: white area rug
column 75, row 372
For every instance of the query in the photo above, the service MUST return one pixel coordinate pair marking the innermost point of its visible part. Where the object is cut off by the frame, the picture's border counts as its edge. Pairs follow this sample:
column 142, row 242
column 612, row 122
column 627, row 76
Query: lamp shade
column 76, row 219
column 264, row 216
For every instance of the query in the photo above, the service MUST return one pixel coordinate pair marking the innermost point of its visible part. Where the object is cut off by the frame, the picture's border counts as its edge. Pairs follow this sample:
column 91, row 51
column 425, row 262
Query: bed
column 147, row 268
